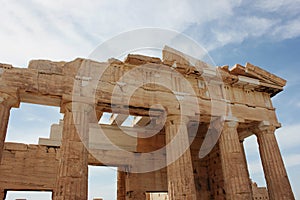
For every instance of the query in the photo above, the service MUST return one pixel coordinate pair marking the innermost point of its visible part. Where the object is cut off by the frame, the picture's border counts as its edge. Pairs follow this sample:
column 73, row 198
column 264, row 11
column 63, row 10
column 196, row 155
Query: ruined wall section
column 34, row 167
column 259, row 192
column 28, row 167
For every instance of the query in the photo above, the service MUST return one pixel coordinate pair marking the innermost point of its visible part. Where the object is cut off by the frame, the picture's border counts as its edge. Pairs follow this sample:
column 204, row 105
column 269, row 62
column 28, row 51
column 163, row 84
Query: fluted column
column 181, row 183
column 72, row 178
column 6, row 103
column 236, row 178
column 121, row 190
column 276, row 177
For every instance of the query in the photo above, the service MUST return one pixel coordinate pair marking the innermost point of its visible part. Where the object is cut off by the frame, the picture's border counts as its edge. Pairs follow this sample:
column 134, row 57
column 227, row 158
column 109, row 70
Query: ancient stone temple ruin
column 185, row 139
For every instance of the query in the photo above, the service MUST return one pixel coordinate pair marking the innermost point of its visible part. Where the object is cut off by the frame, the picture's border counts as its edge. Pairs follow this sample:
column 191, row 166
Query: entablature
column 244, row 92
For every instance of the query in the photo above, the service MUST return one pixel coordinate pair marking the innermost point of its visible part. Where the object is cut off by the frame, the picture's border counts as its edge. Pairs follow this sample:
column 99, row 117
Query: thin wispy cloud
column 283, row 6
column 67, row 29
column 288, row 29
column 288, row 136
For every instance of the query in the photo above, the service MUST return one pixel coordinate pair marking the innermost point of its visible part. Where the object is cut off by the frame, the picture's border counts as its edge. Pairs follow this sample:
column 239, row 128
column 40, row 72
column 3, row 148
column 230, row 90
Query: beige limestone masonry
column 240, row 98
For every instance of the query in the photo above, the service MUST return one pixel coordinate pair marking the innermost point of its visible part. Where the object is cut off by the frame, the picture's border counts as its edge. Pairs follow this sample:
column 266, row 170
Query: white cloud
column 288, row 136
column 292, row 160
column 237, row 29
column 278, row 5
column 111, row 17
column 63, row 30
column 289, row 29
column 67, row 29
column 26, row 34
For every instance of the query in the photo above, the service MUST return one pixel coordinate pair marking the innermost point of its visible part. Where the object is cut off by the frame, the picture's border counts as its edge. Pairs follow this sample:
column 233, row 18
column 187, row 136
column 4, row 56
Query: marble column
column 236, row 178
column 181, row 183
column 72, row 178
column 121, row 184
column 276, row 177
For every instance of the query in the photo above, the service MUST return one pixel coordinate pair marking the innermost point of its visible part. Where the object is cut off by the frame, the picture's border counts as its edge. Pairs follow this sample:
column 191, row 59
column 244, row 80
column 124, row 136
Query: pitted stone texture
column 4, row 116
column 72, row 179
column 279, row 187
column 236, row 178
column 181, row 183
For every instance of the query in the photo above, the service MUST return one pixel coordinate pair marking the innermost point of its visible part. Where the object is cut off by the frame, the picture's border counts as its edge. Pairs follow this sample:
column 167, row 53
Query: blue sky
column 265, row 33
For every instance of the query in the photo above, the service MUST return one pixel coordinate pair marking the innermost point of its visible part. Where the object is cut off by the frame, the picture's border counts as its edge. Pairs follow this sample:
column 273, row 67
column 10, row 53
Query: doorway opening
column 102, row 182
column 157, row 196
column 28, row 195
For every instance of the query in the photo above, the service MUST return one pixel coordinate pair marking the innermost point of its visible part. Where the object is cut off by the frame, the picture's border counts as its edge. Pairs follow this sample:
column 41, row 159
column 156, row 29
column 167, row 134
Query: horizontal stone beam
column 50, row 88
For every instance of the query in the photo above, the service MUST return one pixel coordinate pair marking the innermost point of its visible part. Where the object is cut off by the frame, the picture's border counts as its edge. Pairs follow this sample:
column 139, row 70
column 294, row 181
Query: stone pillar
column 121, row 184
column 236, row 178
column 276, row 177
column 4, row 117
column 72, row 177
column 6, row 103
column 181, row 183
column 2, row 194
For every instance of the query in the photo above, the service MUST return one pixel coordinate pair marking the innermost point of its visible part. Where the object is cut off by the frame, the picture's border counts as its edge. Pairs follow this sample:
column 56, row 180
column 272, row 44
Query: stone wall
column 28, row 167
column 259, row 192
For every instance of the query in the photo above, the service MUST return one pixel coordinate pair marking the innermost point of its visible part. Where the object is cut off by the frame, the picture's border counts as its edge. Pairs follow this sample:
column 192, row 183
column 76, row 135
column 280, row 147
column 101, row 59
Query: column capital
column 231, row 124
column 177, row 119
column 10, row 97
column 264, row 127
column 69, row 103
column 76, row 106
column 229, row 121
